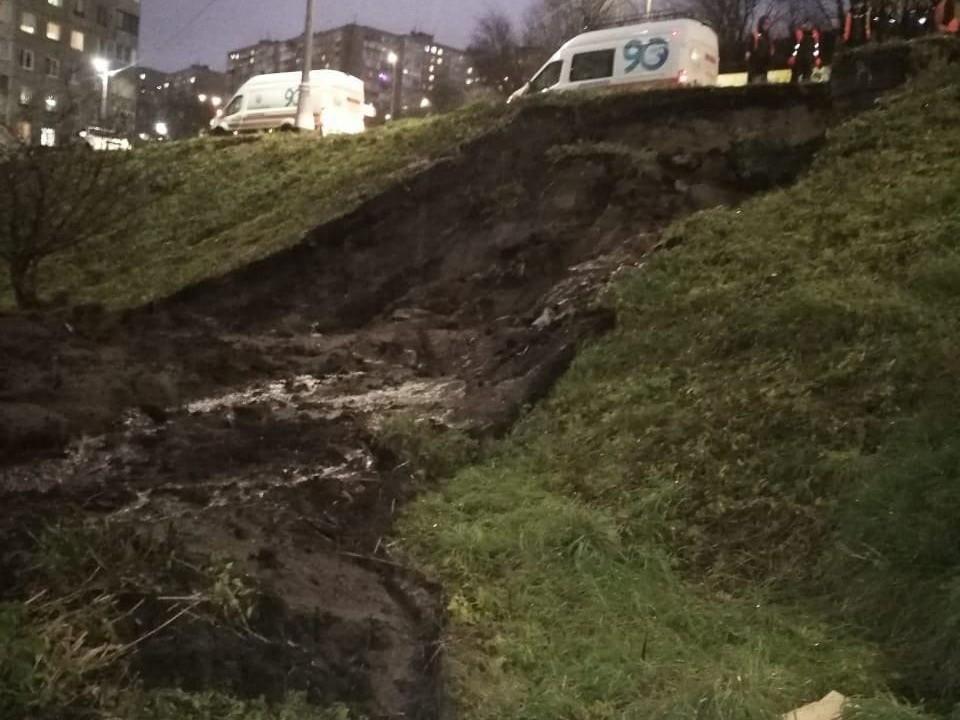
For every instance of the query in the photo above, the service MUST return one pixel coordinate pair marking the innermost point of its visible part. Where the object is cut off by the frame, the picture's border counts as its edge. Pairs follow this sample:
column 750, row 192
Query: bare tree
column 496, row 53
column 731, row 19
column 447, row 95
column 55, row 199
column 550, row 23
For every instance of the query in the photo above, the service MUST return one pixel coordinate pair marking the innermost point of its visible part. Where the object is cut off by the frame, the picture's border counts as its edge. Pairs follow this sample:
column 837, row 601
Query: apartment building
column 49, row 87
column 401, row 73
column 180, row 103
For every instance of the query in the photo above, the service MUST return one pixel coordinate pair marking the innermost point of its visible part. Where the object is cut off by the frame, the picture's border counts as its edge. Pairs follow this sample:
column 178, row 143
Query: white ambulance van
column 662, row 53
column 269, row 102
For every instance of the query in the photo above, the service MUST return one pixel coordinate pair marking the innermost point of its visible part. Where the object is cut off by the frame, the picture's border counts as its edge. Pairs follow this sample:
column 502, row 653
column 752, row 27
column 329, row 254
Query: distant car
column 269, row 102
column 660, row 53
column 102, row 139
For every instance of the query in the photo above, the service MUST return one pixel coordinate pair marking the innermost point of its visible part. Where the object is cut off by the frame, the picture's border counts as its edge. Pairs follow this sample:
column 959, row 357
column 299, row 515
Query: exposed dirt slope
column 245, row 410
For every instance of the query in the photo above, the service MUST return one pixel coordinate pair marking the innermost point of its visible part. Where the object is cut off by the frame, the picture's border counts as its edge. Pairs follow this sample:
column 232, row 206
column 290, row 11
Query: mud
column 245, row 410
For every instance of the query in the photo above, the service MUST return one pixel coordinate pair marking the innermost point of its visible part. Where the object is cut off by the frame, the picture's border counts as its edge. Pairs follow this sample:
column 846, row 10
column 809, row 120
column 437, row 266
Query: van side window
column 547, row 78
column 234, row 107
column 592, row 65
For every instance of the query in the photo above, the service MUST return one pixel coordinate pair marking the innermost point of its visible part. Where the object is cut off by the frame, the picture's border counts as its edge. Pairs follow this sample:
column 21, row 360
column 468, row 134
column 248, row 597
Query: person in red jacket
column 858, row 25
column 806, row 56
column 946, row 18
column 760, row 53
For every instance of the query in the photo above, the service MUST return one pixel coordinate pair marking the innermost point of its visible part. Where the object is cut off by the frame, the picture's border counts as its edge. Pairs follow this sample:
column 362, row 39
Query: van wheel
column 287, row 127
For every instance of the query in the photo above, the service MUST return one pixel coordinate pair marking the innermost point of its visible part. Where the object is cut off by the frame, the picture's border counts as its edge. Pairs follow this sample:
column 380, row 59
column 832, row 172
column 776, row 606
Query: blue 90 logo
column 651, row 55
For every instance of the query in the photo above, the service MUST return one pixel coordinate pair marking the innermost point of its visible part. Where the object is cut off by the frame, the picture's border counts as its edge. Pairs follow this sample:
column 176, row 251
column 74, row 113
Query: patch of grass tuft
column 430, row 450
column 743, row 498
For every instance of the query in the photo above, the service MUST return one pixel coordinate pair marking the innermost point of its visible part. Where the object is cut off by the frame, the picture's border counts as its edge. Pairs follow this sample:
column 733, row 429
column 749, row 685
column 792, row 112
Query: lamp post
column 393, row 59
column 305, row 120
column 102, row 68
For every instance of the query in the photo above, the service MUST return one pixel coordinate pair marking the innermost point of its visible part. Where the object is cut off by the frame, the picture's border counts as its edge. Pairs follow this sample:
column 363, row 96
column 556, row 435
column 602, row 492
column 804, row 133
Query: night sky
column 166, row 44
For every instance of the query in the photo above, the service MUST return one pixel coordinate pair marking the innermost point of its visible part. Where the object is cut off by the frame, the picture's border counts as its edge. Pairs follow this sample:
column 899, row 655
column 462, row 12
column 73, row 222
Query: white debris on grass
column 829, row 707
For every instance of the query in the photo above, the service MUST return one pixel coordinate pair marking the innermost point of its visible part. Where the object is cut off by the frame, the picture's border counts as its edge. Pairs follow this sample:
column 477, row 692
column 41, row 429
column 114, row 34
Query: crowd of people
column 864, row 23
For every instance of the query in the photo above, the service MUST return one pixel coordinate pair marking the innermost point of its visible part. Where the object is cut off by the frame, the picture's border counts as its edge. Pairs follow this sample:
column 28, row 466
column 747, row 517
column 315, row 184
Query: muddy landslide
column 246, row 410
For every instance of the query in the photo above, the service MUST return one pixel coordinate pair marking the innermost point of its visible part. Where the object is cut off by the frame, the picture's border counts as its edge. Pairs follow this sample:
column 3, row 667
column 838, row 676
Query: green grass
column 747, row 495
column 215, row 205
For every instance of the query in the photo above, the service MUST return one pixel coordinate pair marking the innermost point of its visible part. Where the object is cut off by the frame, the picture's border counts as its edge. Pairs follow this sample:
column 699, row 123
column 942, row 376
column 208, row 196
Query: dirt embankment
column 245, row 410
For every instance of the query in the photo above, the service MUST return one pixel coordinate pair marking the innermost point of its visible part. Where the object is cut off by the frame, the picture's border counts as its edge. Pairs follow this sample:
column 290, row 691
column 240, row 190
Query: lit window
column 193, row 81
column 26, row 95
column 55, row 3
column 143, row 76
column 48, row 137
column 469, row 71
column 76, row 40
column 426, row 48
column 28, row 23
column 440, row 51
column 50, row 103
column 439, row 61
column 53, row 31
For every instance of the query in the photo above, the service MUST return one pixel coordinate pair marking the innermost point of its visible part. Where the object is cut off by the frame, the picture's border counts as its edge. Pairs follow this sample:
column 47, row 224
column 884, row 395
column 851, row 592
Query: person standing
column 945, row 17
column 930, row 16
column 760, row 53
column 917, row 18
column 806, row 53
column 858, row 25
column 886, row 22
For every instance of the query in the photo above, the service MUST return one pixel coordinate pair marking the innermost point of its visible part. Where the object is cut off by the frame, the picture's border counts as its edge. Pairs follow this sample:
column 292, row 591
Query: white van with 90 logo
column 664, row 53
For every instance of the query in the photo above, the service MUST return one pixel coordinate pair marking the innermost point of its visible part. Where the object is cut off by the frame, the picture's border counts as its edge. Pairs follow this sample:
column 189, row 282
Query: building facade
column 180, row 104
column 401, row 73
column 49, row 87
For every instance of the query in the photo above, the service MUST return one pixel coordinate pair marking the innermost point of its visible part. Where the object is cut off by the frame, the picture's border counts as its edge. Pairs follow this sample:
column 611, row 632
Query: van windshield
column 234, row 106
column 547, row 78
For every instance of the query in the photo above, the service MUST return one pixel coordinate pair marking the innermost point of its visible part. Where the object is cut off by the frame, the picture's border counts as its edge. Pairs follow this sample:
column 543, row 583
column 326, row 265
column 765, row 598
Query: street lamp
column 393, row 60
column 305, row 119
column 102, row 67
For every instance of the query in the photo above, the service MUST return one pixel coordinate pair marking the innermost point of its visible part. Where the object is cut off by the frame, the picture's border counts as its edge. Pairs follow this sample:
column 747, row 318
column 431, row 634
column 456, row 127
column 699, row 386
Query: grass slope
column 215, row 205
column 747, row 495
